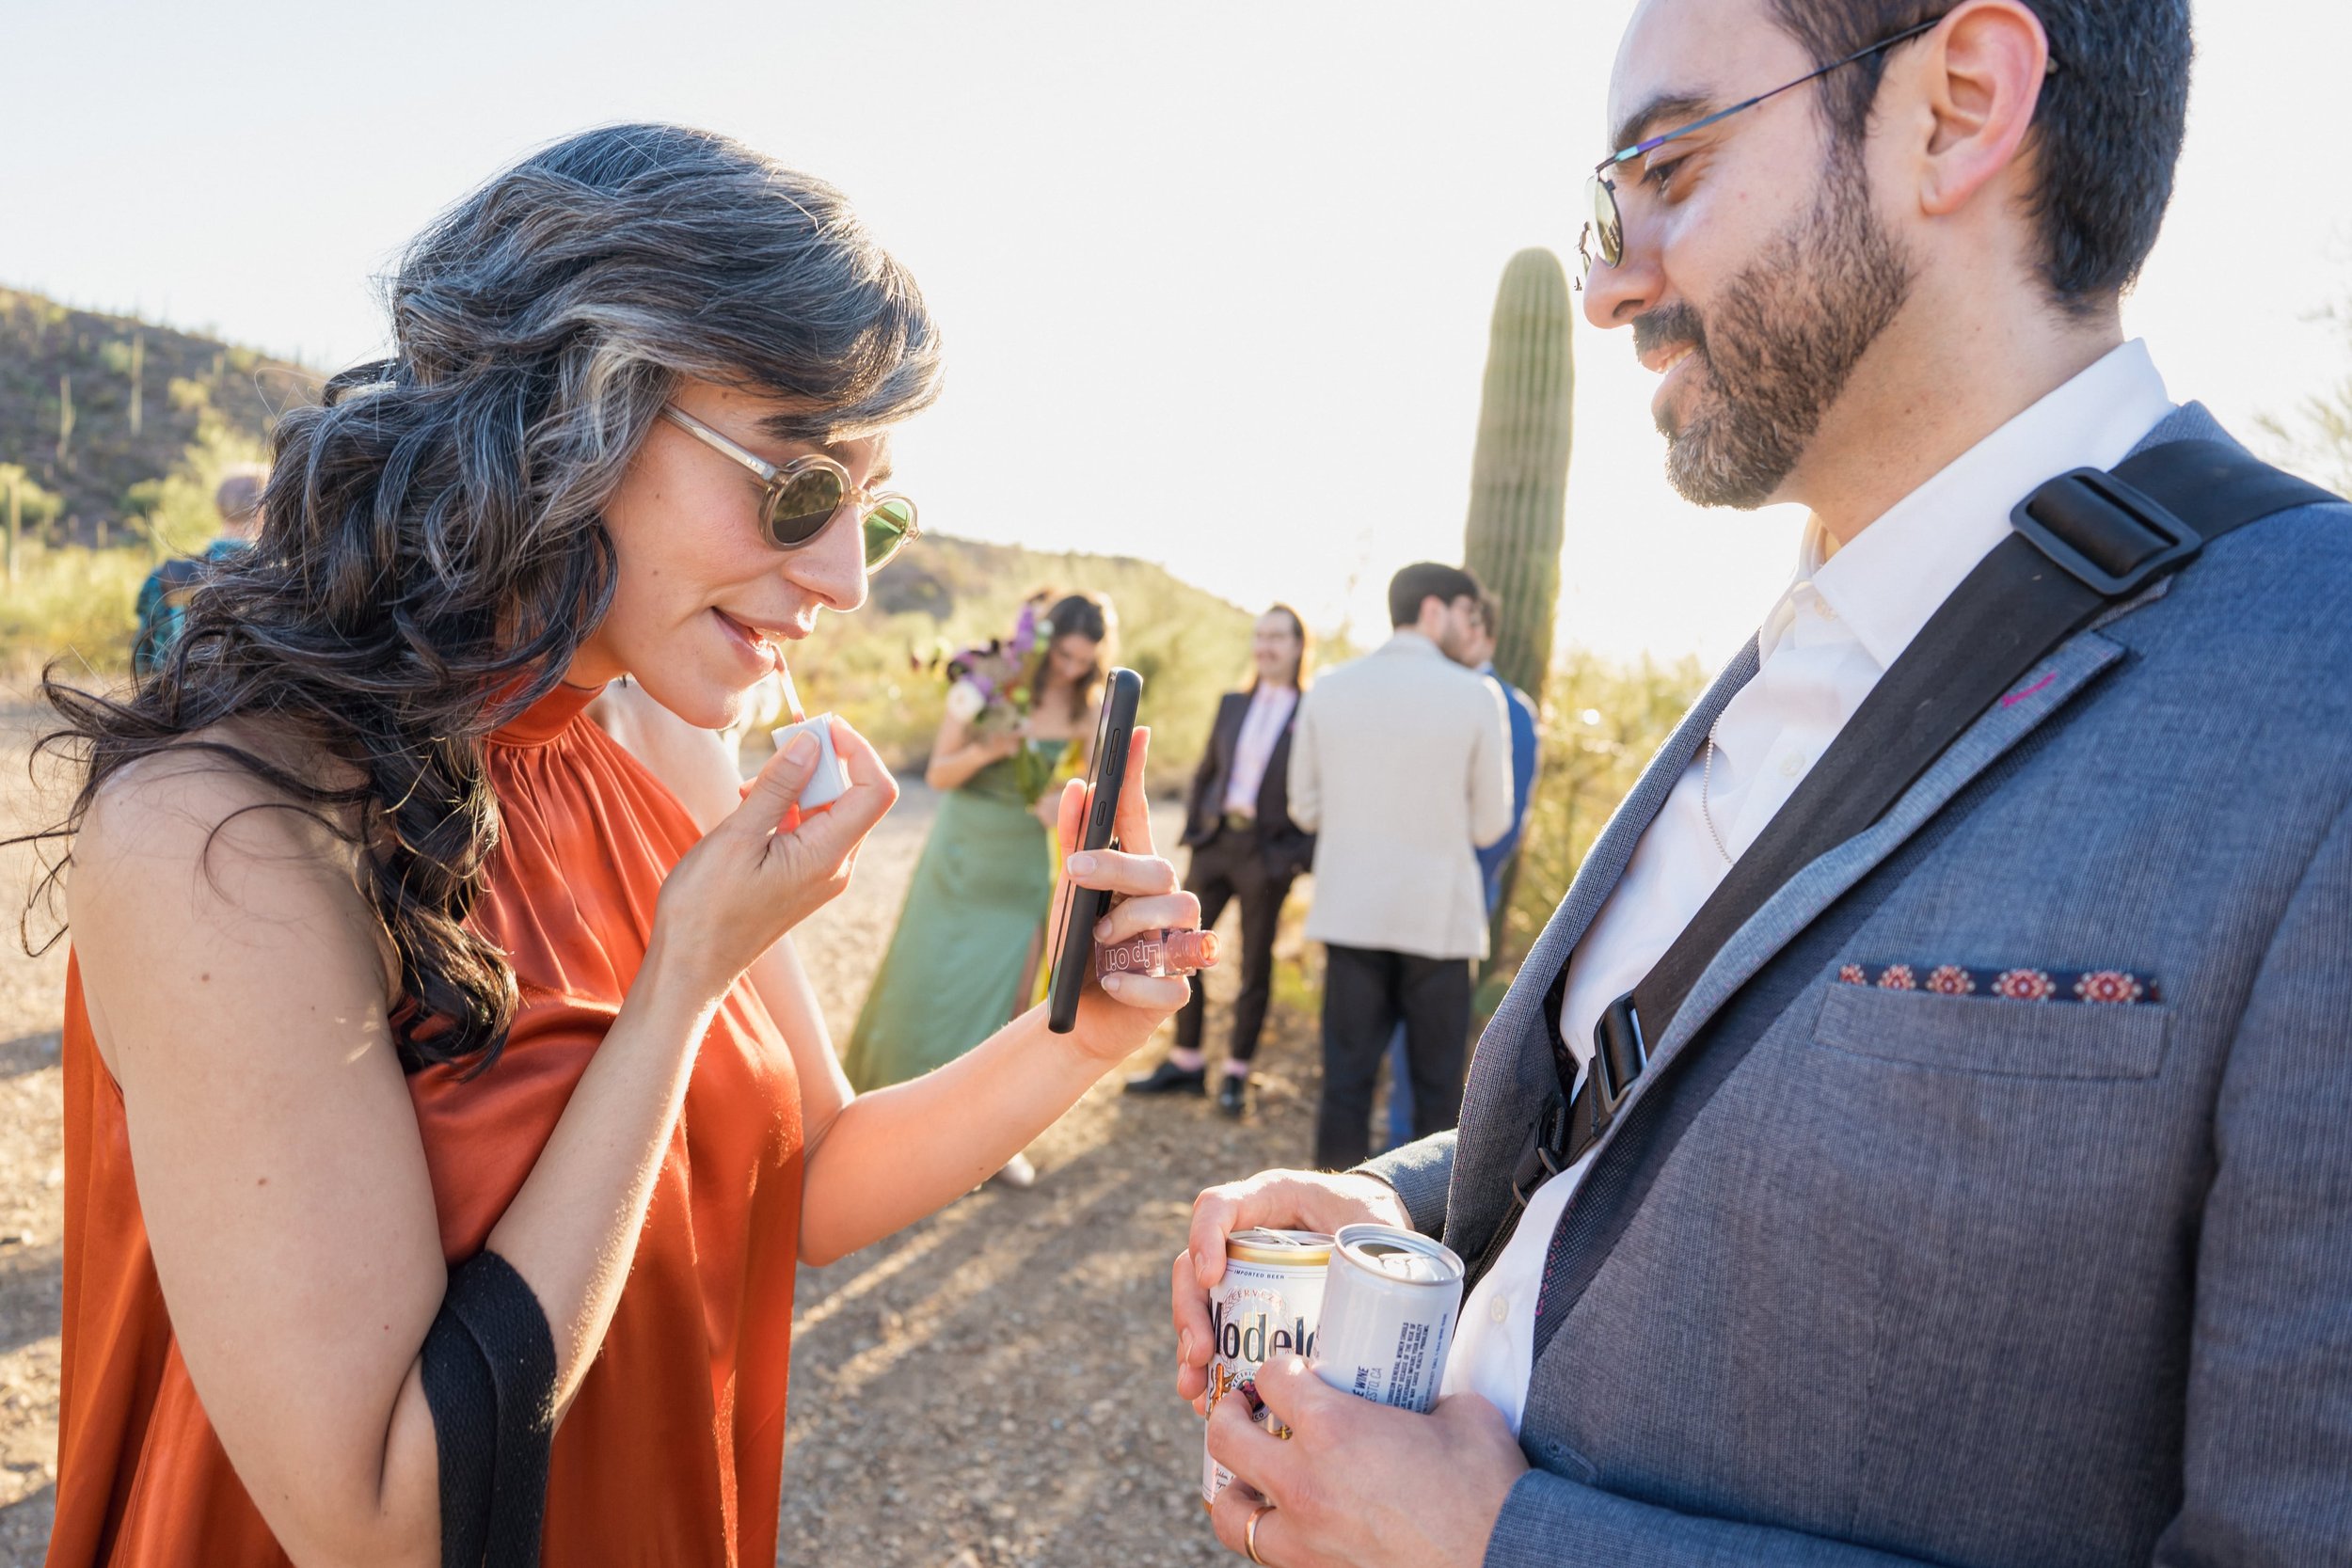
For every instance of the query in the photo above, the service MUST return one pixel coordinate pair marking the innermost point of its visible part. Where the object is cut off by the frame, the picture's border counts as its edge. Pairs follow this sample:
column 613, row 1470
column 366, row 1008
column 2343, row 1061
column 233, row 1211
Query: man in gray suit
column 1984, row 1195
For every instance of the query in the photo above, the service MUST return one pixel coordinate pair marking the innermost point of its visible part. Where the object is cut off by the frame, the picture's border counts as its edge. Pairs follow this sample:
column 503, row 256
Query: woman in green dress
column 964, row 956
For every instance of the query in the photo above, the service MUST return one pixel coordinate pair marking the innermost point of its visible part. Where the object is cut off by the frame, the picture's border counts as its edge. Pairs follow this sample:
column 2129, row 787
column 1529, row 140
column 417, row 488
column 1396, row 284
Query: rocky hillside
column 91, row 404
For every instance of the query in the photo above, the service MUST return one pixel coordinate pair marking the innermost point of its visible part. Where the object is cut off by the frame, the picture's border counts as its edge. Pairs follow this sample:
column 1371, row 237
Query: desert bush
column 2317, row 438
column 876, row 668
column 1603, row 722
column 176, row 511
column 71, row 600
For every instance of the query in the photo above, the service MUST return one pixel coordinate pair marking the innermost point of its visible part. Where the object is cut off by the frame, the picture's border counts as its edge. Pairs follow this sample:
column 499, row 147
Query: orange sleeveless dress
column 674, row 1452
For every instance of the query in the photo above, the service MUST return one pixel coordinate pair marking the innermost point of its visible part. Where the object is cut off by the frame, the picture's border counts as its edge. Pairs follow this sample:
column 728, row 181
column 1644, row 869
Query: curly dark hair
column 433, row 551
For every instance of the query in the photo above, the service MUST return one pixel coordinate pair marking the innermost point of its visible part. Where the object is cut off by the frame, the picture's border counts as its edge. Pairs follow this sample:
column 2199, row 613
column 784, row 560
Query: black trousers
column 1366, row 991
column 1226, row 868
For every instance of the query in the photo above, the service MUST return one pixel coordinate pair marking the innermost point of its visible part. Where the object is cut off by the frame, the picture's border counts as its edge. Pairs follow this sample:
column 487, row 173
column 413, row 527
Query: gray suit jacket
column 1941, row 1278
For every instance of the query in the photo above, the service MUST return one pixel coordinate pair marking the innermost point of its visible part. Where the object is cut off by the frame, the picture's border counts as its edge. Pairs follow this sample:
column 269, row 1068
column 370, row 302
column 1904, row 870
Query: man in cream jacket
column 1401, row 766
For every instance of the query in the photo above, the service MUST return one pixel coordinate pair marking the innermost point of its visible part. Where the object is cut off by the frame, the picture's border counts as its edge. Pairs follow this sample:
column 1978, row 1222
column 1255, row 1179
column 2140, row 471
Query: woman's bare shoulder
column 191, row 801
column 694, row 764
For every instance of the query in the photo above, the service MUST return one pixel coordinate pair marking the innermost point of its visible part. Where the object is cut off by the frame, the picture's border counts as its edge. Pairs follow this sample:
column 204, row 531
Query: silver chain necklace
column 1706, row 780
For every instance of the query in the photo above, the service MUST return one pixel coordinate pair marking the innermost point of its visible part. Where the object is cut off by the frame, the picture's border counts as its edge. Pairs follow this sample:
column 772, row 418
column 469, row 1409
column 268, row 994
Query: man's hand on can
column 1358, row 1483
column 1279, row 1199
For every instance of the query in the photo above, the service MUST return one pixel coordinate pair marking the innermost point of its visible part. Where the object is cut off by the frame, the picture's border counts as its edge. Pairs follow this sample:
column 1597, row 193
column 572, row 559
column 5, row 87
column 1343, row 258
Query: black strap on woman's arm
column 489, row 1379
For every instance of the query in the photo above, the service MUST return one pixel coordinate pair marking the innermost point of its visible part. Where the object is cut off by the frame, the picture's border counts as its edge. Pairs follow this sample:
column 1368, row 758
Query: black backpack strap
column 2083, row 542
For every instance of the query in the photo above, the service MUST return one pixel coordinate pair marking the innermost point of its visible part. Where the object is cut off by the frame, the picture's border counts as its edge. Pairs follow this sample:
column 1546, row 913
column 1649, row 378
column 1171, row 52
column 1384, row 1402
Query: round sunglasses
column 801, row 496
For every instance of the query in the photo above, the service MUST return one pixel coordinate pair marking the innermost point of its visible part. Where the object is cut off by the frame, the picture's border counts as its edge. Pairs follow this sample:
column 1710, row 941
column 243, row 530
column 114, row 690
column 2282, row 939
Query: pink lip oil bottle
column 1156, row 954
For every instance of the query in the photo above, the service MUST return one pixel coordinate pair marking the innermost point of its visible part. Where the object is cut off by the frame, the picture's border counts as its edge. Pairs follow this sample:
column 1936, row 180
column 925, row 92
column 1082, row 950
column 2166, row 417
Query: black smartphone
column 1082, row 905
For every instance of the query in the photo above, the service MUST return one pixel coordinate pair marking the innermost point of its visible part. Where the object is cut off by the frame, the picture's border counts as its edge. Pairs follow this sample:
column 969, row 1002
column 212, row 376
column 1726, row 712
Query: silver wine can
column 1267, row 1304
column 1390, row 1304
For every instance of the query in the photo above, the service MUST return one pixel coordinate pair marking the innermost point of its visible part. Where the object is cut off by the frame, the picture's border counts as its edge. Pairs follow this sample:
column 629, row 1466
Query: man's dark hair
column 1490, row 612
column 2106, row 133
column 1428, row 579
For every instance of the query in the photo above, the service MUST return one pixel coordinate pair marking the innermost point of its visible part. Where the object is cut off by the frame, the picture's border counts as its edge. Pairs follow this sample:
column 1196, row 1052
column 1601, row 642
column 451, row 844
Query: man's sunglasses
column 1603, row 239
column 807, row 493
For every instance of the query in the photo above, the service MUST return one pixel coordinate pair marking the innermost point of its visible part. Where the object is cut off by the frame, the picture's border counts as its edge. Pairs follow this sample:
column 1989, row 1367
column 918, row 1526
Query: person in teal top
column 964, row 959
column 163, row 601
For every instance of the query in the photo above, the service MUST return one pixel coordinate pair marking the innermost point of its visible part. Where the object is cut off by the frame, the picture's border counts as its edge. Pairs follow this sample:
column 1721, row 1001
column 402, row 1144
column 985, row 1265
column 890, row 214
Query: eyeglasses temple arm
column 1628, row 154
column 711, row 438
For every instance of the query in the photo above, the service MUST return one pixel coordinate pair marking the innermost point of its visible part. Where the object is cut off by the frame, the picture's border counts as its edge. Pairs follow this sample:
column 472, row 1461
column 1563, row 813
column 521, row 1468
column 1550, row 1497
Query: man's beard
column 1788, row 334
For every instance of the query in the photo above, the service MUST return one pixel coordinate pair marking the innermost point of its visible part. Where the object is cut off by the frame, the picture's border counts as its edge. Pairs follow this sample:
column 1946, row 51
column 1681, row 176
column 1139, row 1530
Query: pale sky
column 1259, row 240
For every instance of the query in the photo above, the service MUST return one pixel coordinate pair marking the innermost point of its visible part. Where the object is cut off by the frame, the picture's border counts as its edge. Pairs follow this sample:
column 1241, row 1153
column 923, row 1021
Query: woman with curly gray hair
column 440, row 1144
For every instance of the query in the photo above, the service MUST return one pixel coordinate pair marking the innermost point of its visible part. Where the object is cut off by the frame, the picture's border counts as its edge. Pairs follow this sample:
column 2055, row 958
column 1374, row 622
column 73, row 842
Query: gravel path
column 988, row 1388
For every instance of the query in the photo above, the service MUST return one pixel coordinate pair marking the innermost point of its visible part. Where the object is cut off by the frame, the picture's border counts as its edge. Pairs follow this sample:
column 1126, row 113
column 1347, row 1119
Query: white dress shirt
column 1842, row 621
column 1270, row 708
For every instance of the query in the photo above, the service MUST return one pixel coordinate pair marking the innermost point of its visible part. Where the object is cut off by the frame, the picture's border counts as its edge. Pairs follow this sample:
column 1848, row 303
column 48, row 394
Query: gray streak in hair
column 433, row 551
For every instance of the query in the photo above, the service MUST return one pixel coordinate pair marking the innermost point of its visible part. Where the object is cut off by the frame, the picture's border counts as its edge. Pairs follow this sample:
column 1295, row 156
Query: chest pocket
column 1989, row 1036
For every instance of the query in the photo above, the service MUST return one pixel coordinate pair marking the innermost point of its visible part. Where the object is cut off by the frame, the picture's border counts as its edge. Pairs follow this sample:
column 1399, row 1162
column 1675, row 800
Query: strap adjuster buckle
column 2107, row 534
column 1541, row 1161
column 1619, row 1056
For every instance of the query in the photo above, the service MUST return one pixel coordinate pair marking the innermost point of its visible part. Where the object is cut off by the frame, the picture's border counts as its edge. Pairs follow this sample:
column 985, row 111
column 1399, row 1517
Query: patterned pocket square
column 2105, row 987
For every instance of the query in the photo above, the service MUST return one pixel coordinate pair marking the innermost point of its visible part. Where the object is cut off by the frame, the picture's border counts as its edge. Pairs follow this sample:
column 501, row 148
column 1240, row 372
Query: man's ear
column 1984, row 70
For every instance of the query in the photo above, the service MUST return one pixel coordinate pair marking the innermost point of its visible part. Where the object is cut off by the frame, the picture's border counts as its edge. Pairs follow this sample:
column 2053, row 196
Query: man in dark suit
column 1246, row 848
column 1954, row 1025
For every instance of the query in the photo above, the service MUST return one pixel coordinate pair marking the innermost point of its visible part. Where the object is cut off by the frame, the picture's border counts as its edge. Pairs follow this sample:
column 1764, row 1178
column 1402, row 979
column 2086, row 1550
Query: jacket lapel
column 1511, row 1071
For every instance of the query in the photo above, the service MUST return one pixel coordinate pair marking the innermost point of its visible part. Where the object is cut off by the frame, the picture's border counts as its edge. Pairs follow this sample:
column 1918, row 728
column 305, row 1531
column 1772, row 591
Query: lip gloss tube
column 1156, row 954
column 829, row 782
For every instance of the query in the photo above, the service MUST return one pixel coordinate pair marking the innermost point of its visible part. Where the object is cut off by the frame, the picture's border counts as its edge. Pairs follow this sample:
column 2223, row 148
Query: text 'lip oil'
column 1156, row 954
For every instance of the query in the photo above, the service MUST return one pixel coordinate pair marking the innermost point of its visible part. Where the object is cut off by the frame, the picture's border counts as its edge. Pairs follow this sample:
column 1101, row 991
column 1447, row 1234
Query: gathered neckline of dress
column 547, row 718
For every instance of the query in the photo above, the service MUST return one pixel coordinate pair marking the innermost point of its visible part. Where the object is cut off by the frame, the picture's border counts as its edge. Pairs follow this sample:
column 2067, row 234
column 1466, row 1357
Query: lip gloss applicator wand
column 829, row 783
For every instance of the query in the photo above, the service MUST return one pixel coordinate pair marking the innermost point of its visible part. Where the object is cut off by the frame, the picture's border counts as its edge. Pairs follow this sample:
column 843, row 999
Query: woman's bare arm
column 699, row 769
column 958, row 753
column 237, row 986
column 878, row 1161
column 897, row 1154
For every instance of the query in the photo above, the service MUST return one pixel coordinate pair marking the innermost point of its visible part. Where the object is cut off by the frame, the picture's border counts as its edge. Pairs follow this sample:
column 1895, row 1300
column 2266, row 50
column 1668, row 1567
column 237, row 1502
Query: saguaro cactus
column 1519, row 475
column 1520, row 495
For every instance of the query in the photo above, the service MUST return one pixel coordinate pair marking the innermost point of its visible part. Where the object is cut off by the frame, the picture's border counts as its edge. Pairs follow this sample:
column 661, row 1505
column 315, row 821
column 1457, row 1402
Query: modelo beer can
column 1390, row 1304
column 1267, row 1304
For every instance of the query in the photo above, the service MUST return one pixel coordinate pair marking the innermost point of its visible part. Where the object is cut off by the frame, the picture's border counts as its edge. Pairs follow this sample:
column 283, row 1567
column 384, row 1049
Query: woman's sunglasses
column 805, row 494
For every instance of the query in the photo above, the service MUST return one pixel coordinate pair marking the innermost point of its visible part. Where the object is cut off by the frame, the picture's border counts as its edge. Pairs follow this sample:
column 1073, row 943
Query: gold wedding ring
column 1250, row 1536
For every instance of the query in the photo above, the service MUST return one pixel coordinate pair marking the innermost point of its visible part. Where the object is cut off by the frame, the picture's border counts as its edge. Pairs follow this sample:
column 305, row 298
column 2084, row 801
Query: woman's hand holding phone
column 1117, row 1015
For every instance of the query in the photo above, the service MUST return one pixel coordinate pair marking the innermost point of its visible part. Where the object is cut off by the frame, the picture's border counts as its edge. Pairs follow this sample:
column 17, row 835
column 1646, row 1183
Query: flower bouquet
column 992, row 686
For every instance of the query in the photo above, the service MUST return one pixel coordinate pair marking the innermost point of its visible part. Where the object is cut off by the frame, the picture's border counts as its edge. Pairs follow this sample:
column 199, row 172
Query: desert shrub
column 876, row 668
column 1602, row 721
column 72, row 600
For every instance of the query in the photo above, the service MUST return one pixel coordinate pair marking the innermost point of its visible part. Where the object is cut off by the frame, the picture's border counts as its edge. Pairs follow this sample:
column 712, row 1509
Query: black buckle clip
column 1619, row 1056
column 2107, row 534
column 1541, row 1161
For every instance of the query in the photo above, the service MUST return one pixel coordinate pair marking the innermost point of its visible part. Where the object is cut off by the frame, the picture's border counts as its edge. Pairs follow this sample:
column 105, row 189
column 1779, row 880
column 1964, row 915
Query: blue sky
column 1260, row 238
